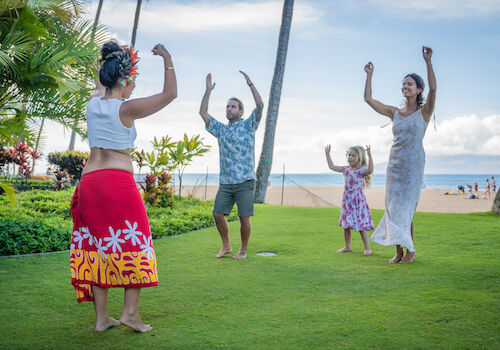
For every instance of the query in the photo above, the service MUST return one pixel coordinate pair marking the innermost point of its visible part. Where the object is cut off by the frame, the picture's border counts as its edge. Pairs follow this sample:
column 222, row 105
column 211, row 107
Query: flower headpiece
column 128, row 64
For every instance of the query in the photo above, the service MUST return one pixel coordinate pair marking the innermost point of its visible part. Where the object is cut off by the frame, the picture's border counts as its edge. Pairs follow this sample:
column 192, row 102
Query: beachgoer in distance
column 488, row 189
column 493, row 184
column 461, row 189
column 405, row 169
column 354, row 213
column 237, row 164
column 475, row 188
column 111, row 244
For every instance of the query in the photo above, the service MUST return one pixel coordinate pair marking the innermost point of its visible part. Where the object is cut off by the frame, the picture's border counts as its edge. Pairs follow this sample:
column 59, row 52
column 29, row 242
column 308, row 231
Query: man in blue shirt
column 237, row 164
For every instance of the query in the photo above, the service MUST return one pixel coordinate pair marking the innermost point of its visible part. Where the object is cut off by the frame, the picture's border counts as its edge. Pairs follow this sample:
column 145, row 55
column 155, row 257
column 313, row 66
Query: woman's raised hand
column 368, row 150
column 427, row 53
column 369, row 67
column 328, row 148
column 159, row 49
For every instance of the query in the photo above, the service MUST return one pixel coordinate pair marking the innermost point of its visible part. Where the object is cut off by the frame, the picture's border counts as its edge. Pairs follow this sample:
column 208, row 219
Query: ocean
column 435, row 181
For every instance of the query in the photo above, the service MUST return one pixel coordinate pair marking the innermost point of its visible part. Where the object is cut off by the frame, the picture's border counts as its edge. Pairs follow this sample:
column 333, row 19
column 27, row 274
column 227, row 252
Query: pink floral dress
column 355, row 213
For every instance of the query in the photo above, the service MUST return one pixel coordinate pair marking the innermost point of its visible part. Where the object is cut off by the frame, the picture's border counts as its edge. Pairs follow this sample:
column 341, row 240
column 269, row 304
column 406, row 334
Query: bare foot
column 367, row 252
column 240, row 255
column 135, row 322
column 102, row 326
column 396, row 259
column 223, row 252
column 344, row 250
column 408, row 258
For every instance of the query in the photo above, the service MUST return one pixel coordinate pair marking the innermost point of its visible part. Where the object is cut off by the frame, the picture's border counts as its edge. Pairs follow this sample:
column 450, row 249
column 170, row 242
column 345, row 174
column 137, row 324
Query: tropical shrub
column 71, row 161
column 184, row 152
column 21, row 155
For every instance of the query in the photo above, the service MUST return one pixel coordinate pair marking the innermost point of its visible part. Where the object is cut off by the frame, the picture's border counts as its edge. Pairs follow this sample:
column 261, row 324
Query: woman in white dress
column 405, row 169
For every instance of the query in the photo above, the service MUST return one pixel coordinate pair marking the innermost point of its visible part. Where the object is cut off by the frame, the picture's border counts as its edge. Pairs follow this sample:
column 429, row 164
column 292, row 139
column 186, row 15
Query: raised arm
column 330, row 161
column 378, row 106
column 256, row 96
column 142, row 107
column 204, row 102
column 369, row 170
column 428, row 108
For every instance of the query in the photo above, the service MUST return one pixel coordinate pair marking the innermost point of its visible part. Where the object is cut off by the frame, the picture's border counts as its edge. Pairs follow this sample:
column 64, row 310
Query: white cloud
column 447, row 9
column 465, row 135
column 210, row 16
column 304, row 128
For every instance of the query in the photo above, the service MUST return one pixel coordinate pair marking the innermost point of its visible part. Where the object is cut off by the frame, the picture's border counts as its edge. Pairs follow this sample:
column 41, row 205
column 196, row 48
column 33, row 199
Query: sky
column 322, row 96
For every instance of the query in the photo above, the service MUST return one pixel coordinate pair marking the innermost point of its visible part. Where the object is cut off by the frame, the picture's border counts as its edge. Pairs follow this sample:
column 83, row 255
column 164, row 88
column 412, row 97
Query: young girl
column 355, row 213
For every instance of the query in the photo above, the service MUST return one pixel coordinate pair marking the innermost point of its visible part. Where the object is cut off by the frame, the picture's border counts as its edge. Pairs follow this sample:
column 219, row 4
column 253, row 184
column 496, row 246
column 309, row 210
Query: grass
column 306, row 297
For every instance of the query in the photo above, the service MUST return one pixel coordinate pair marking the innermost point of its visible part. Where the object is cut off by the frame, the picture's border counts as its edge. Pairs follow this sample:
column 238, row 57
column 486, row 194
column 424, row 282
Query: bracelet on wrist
column 250, row 84
column 169, row 68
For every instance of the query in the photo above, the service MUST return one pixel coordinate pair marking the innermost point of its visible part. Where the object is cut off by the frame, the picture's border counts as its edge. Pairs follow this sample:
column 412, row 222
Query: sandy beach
column 431, row 200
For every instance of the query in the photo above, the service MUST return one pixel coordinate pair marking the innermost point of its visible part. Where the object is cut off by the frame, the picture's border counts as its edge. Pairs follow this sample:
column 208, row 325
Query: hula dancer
column 111, row 244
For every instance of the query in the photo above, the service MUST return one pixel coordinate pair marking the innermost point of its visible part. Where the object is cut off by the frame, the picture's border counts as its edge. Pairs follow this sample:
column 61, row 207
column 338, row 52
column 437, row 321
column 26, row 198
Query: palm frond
column 10, row 192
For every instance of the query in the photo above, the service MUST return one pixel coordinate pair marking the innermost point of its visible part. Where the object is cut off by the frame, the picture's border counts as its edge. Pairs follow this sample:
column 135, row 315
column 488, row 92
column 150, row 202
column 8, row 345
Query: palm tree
column 495, row 208
column 46, row 65
column 94, row 28
column 266, row 156
column 136, row 22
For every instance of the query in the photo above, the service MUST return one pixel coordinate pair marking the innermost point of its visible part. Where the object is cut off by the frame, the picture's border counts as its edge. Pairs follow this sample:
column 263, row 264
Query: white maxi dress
column 404, row 180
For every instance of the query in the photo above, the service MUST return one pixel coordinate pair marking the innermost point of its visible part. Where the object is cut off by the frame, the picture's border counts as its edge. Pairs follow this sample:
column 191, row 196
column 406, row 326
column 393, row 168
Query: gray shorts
column 242, row 194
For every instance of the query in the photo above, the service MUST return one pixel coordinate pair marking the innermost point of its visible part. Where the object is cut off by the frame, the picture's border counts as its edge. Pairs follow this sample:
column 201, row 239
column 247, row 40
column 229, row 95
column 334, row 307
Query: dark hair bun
column 110, row 70
column 109, row 47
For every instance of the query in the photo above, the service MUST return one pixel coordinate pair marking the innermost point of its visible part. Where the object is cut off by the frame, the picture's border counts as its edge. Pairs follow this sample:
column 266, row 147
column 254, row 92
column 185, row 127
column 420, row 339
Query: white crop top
column 104, row 127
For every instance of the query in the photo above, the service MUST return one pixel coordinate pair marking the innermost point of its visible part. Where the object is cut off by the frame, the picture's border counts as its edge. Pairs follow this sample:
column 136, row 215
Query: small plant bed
column 42, row 220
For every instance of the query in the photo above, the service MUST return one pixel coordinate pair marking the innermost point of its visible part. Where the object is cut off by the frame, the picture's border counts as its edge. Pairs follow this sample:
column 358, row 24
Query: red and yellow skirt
column 111, row 245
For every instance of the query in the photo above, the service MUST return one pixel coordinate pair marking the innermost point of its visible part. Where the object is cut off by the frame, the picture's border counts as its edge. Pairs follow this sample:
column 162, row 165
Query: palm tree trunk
column 136, row 22
column 38, row 142
column 266, row 156
column 495, row 208
column 96, row 21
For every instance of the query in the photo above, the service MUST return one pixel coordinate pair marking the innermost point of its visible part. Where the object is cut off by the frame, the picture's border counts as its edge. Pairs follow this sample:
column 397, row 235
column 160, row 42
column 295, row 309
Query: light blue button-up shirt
column 236, row 149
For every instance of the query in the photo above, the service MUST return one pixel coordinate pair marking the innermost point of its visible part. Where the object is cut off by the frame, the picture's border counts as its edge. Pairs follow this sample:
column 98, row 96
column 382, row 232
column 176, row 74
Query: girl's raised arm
column 378, row 106
column 330, row 161
column 369, row 170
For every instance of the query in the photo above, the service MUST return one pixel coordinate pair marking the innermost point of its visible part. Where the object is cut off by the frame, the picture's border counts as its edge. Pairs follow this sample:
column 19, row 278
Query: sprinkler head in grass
column 266, row 254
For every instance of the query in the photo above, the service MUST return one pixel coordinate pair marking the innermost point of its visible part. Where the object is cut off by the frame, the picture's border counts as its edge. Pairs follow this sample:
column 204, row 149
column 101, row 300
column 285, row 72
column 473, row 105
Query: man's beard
column 232, row 118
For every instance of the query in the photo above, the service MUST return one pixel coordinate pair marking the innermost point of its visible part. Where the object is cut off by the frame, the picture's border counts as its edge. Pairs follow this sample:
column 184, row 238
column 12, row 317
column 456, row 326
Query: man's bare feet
column 344, row 250
column 135, row 322
column 108, row 323
column 367, row 252
column 396, row 259
column 408, row 258
column 240, row 255
column 223, row 252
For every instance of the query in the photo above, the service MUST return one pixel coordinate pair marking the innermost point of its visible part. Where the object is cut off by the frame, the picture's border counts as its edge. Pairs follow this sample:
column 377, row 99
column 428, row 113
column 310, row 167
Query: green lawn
column 306, row 297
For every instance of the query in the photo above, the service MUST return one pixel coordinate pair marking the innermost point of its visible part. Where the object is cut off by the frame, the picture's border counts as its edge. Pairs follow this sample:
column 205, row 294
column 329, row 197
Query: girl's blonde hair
column 363, row 161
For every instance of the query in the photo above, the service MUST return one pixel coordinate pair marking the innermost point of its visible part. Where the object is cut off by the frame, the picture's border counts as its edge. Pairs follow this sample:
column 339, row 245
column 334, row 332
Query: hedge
column 42, row 222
